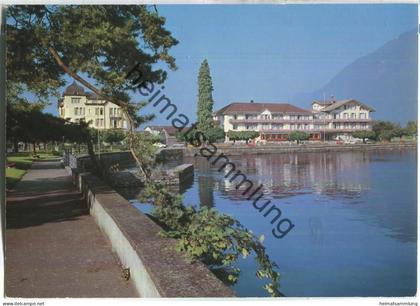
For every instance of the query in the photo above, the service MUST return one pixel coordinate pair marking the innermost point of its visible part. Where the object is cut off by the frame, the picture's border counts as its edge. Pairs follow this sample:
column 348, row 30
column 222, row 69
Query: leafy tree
column 383, row 130
column 385, row 135
column 398, row 132
column 26, row 122
column 364, row 135
column 80, row 39
column 214, row 134
column 298, row 136
column 114, row 136
column 187, row 137
column 205, row 98
column 411, row 128
column 242, row 135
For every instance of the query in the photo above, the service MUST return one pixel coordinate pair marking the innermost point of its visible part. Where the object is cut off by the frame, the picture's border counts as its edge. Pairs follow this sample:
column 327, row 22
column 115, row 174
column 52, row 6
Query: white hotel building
column 329, row 120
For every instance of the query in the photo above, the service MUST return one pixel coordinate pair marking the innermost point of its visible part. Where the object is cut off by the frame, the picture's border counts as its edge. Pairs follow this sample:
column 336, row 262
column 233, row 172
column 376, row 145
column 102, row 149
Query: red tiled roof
column 241, row 107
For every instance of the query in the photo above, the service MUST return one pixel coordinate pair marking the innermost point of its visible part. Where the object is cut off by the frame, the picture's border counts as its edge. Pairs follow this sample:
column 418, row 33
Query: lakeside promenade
column 54, row 248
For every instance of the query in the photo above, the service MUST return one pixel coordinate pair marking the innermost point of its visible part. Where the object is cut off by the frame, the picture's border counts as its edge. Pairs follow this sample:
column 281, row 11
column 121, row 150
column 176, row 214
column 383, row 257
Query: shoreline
column 235, row 150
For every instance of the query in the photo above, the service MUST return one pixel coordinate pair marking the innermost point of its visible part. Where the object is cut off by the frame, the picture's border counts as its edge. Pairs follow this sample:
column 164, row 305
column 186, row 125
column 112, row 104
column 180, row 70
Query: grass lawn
column 13, row 176
column 23, row 162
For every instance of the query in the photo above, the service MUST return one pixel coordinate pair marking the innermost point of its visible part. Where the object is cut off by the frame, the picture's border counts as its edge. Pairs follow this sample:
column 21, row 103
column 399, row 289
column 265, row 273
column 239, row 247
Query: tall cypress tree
column 205, row 98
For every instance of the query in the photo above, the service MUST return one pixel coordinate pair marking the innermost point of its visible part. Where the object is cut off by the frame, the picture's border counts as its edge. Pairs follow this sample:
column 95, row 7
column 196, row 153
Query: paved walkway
column 53, row 246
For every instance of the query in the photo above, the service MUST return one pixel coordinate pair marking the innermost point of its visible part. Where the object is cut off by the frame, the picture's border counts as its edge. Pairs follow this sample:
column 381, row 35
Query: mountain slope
column 385, row 79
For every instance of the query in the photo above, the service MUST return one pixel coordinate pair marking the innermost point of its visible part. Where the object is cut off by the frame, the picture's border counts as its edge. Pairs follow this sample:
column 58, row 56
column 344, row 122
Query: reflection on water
column 287, row 175
column 355, row 215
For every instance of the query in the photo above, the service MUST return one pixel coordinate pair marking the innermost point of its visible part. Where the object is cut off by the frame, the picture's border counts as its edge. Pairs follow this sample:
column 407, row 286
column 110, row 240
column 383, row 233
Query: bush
column 57, row 153
column 215, row 134
column 364, row 135
column 242, row 135
column 298, row 136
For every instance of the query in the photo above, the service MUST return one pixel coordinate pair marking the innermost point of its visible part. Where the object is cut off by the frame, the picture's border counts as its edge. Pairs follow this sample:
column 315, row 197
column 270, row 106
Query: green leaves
column 364, row 135
column 385, row 130
column 101, row 41
column 242, row 135
column 205, row 98
column 298, row 136
column 214, row 238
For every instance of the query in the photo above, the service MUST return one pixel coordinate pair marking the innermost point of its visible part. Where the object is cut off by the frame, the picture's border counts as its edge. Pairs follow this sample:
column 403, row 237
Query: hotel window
column 346, row 116
column 353, row 116
column 75, row 100
column 235, row 117
column 362, row 116
column 235, row 126
column 96, row 111
column 101, row 111
column 76, row 111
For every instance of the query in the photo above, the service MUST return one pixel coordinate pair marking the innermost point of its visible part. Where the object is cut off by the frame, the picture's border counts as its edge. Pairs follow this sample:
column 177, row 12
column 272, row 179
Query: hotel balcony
column 349, row 120
column 250, row 121
column 326, row 130
column 315, row 121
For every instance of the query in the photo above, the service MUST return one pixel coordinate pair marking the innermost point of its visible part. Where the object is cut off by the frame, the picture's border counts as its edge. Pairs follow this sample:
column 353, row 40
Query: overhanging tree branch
column 122, row 104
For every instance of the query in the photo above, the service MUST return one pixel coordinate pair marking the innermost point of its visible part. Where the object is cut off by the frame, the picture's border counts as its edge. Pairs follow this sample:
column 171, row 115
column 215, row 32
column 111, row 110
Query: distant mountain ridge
column 385, row 79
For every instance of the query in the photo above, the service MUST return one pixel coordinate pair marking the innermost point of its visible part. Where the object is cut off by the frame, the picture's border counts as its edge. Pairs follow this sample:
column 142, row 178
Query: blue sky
column 272, row 52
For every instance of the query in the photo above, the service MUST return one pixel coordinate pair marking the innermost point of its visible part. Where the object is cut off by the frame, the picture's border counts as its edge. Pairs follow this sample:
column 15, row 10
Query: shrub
column 298, row 136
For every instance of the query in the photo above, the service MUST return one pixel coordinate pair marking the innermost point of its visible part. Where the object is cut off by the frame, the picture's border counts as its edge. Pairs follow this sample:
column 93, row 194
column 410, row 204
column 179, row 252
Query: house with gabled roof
column 78, row 105
column 327, row 120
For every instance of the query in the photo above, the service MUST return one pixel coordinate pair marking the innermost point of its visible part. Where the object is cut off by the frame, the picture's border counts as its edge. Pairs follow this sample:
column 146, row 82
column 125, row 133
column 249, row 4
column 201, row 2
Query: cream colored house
column 77, row 104
column 330, row 120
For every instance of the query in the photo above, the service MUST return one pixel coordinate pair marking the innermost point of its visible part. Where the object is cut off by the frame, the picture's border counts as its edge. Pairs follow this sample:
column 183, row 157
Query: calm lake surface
column 355, row 216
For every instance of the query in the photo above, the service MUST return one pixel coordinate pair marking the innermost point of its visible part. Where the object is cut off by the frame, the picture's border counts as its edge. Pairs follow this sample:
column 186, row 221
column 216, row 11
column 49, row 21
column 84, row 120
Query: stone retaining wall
column 118, row 168
column 156, row 269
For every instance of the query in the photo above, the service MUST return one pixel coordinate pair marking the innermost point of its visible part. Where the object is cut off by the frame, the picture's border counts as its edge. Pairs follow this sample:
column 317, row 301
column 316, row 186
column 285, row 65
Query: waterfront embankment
column 241, row 149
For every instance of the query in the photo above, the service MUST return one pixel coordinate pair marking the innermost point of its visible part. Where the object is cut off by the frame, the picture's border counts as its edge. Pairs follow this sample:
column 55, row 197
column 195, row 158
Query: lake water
column 355, row 216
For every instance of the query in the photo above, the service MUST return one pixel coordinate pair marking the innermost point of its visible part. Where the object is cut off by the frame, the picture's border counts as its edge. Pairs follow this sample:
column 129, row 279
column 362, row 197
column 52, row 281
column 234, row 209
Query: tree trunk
column 92, row 156
column 34, row 148
column 15, row 146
